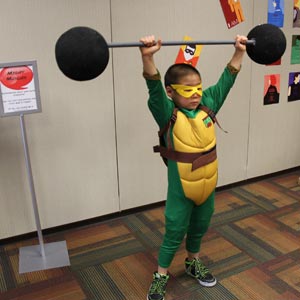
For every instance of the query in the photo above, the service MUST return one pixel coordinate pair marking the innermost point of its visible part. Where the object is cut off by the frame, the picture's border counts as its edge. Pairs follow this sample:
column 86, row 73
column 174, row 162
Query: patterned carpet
column 252, row 247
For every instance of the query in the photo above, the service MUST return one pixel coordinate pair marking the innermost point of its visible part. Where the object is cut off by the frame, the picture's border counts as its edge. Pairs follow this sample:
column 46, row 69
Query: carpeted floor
column 252, row 247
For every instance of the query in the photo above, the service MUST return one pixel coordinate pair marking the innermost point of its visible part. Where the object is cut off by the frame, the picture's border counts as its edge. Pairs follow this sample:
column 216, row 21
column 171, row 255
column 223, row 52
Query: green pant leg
column 177, row 217
column 199, row 223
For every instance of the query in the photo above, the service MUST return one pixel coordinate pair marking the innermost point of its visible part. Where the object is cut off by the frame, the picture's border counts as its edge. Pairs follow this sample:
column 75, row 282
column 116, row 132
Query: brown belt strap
column 197, row 160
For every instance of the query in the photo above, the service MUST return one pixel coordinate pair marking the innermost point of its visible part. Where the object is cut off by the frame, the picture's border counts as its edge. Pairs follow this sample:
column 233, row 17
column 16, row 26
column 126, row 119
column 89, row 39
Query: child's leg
column 199, row 223
column 177, row 218
column 163, row 271
column 177, row 215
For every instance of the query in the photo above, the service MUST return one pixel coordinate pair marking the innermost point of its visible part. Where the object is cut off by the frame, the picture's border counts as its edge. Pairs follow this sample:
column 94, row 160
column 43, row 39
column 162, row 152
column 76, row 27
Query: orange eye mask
column 187, row 91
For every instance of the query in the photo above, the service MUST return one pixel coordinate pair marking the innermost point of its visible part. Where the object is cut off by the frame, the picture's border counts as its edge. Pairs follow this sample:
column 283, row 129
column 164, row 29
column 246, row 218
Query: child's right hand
column 151, row 45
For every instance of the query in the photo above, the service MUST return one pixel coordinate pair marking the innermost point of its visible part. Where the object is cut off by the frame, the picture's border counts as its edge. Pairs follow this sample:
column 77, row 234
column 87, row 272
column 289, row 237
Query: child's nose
column 196, row 94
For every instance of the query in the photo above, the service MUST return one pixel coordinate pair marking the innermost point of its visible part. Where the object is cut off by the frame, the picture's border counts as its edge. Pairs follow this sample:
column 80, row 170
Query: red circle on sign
column 16, row 78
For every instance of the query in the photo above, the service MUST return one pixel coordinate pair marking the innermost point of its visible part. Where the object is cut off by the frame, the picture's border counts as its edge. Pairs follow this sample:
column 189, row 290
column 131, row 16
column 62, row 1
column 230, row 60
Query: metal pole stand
column 42, row 256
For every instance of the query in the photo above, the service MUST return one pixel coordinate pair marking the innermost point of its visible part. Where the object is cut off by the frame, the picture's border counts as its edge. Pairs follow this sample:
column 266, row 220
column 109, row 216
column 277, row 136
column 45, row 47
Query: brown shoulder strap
column 167, row 129
column 171, row 121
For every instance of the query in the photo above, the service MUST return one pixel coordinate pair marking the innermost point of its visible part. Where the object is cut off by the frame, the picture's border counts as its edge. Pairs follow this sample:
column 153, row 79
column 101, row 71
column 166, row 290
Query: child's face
column 190, row 102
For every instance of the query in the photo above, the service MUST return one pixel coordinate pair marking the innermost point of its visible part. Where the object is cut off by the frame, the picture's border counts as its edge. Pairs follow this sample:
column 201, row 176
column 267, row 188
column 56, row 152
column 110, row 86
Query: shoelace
column 200, row 268
column 158, row 285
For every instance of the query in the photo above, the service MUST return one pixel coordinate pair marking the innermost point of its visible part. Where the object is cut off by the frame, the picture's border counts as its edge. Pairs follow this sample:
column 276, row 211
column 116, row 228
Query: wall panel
column 72, row 142
column 273, row 129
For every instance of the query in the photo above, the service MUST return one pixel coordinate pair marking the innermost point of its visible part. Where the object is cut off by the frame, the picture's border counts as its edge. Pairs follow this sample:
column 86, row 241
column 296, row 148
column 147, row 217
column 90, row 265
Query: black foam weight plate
column 270, row 44
column 81, row 53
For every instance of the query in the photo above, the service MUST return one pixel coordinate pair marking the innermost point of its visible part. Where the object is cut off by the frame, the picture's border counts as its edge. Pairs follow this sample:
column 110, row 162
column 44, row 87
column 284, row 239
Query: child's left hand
column 240, row 42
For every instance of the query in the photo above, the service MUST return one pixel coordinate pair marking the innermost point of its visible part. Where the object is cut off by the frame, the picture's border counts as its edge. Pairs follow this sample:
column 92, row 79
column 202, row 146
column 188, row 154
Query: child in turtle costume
column 185, row 115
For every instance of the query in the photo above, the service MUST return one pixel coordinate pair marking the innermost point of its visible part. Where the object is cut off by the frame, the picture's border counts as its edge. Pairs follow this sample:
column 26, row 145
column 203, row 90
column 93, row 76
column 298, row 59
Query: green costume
column 191, row 192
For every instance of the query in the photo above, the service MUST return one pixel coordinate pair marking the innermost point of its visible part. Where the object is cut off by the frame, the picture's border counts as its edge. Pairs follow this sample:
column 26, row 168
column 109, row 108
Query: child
column 185, row 115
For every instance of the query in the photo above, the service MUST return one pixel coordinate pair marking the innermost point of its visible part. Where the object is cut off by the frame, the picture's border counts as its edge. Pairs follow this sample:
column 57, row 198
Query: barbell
column 82, row 53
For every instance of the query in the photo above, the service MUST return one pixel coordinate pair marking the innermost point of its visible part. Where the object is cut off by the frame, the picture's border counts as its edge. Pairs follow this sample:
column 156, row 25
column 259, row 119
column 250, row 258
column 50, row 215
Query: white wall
column 91, row 147
column 72, row 142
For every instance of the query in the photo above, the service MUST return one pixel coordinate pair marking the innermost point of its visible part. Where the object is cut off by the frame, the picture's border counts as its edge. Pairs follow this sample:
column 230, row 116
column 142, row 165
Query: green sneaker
column 158, row 286
column 197, row 269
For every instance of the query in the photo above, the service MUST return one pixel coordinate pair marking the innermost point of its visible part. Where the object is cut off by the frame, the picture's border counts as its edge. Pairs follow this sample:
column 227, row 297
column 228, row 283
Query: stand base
column 56, row 255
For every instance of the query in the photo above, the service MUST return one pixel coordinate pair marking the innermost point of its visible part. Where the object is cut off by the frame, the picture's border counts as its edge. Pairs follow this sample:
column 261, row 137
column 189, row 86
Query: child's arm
column 151, row 47
column 159, row 104
column 215, row 95
column 240, row 48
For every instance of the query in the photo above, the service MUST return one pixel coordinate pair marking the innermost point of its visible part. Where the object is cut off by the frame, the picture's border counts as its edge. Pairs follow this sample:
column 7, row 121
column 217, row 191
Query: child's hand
column 240, row 49
column 151, row 45
column 240, row 42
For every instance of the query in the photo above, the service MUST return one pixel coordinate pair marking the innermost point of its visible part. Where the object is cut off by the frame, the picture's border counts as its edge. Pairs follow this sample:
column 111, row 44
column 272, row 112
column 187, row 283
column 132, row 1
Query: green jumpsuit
column 182, row 215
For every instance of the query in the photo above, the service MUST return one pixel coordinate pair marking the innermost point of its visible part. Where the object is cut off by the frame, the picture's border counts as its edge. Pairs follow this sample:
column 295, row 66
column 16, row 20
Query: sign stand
column 19, row 95
column 42, row 256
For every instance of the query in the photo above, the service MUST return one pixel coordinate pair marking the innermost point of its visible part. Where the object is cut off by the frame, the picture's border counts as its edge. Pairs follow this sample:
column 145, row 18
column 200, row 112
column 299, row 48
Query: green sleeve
column 159, row 104
column 214, row 96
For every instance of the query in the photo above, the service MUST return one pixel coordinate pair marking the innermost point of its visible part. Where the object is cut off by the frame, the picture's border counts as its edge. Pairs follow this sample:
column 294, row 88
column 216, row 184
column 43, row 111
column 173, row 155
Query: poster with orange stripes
column 233, row 12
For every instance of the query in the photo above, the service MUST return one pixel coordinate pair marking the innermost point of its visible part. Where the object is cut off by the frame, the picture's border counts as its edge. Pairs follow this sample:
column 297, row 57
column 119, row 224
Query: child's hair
column 177, row 71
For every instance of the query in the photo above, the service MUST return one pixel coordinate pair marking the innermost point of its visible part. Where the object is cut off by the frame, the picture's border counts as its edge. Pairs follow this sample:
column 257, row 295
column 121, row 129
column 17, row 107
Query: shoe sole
column 161, row 299
column 203, row 283
column 207, row 284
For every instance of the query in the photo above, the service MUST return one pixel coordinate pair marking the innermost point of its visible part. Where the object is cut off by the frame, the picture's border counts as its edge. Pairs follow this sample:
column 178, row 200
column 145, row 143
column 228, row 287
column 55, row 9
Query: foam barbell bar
column 178, row 43
column 83, row 54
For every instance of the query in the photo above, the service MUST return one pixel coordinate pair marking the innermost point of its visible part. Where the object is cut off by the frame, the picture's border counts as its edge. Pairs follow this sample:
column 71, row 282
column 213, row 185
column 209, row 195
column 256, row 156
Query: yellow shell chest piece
column 187, row 91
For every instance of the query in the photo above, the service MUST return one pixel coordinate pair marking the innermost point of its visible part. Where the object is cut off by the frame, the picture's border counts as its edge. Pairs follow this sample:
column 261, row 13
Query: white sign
column 19, row 88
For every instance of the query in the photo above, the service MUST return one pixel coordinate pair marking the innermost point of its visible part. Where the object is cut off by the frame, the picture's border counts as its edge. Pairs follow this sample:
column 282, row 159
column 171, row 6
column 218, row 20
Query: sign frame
column 32, row 64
